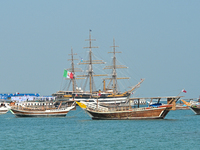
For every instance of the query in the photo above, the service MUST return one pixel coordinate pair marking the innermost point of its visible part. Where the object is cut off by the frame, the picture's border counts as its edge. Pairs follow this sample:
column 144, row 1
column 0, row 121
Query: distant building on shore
column 18, row 96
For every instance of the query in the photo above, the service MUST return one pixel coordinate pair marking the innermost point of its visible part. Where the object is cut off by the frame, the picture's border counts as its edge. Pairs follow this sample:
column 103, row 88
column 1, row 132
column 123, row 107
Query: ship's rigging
column 111, row 90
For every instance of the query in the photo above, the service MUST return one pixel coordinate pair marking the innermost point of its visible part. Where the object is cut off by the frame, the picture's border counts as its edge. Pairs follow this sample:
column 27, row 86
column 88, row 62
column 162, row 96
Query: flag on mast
column 68, row 74
column 184, row 91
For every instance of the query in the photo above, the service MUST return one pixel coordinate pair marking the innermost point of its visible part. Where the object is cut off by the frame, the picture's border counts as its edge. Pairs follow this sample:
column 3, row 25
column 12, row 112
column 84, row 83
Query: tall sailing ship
column 107, row 95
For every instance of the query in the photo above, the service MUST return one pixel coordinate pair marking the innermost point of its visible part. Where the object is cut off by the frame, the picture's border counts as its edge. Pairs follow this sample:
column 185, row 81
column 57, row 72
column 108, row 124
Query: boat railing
column 125, row 108
column 117, row 108
column 99, row 108
column 141, row 108
column 25, row 107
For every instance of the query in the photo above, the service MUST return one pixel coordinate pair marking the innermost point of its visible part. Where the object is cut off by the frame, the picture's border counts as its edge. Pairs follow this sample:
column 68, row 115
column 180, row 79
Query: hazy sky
column 159, row 41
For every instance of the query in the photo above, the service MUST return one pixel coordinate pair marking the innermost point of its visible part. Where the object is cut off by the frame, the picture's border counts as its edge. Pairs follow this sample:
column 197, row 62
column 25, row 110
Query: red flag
column 184, row 91
column 71, row 76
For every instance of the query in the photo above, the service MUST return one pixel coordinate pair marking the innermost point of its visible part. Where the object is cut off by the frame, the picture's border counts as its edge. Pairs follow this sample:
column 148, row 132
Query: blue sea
column 179, row 130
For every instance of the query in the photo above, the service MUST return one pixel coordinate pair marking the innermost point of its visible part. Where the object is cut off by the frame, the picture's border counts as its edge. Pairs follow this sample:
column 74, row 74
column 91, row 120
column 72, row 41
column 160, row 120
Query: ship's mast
column 73, row 71
column 114, row 67
column 114, row 74
column 90, row 70
column 90, row 62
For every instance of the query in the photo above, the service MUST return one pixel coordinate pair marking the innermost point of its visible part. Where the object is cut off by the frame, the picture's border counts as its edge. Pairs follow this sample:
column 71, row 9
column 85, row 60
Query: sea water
column 179, row 130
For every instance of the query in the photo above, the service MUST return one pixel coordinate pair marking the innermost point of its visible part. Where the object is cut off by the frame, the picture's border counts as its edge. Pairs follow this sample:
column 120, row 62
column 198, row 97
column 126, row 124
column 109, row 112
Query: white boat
column 4, row 107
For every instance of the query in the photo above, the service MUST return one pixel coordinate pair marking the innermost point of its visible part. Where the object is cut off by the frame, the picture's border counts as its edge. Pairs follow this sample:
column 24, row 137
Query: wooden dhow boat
column 193, row 105
column 41, row 109
column 126, row 112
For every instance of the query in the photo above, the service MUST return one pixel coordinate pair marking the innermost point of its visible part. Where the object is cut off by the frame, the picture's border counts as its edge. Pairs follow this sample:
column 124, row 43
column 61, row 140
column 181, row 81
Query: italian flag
column 68, row 74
